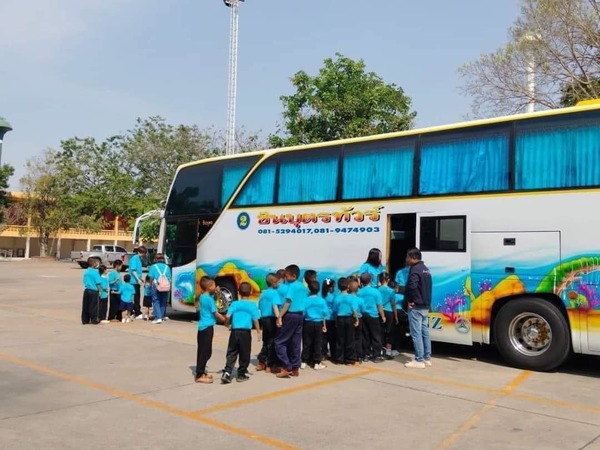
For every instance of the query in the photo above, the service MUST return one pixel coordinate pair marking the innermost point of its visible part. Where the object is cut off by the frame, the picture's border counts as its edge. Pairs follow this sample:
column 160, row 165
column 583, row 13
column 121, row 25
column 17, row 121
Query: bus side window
column 260, row 188
column 308, row 177
column 443, row 234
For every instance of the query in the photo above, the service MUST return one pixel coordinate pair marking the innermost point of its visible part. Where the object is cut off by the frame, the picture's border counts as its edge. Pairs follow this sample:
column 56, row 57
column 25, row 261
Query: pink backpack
column 163, row 284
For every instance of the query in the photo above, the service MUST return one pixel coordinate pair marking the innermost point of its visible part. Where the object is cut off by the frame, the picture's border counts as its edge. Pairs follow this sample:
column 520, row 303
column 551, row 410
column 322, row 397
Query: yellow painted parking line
column 147, row 402
column 414, row 376
column 475, row 418
column 474, row 387
column 554, row 402
column 402, row 374
column 281, row 393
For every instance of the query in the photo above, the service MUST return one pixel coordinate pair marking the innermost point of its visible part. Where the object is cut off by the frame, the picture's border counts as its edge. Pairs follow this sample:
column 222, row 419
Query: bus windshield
column 205, row 188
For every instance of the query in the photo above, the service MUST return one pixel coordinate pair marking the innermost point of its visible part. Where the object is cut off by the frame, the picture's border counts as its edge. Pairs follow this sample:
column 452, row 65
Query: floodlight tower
column 5, row 127
column 234, row 5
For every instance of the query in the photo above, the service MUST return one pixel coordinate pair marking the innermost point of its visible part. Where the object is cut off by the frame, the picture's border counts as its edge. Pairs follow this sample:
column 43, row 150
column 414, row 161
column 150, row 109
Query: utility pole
column 234, row 6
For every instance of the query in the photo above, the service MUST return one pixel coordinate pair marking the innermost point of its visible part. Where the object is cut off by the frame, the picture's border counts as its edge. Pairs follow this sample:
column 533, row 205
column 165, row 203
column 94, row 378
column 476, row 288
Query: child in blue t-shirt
column 282, row 287
column 401, row 280
column 127, row 294
column 208, row 316
column 315, row 314
column 114, row 283
column 147, row 300
column 373, row 317
column 103, row 294
column 269, row 305
column 329, row 338
column 360, row 337
column 243, row 315
column 346, row 318
column 288, row 343
column 388, row 300
column 92, row 285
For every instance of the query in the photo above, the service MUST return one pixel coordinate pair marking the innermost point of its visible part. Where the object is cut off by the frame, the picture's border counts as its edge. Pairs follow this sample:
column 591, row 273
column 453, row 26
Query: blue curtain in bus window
column 233, row 172
column 556, row 158
column 260, row 188
column 378, row 173
column 468, row 165
column 310, row 180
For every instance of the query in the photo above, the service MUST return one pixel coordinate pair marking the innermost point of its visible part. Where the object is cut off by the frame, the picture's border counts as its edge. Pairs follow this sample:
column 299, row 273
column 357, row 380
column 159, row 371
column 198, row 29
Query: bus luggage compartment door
column 509, row 263
column 444, row 241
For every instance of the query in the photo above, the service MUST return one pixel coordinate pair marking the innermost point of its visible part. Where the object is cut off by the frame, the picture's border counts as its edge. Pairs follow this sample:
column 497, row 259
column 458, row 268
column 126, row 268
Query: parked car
column 107, row 254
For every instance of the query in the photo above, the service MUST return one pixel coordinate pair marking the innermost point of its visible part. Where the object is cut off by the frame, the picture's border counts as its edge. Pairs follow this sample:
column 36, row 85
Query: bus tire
column 531, row 333
column 228, row 294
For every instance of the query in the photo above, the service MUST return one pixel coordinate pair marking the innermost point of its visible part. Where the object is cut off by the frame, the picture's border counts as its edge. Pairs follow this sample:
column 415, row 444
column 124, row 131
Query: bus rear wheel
column 531, row 333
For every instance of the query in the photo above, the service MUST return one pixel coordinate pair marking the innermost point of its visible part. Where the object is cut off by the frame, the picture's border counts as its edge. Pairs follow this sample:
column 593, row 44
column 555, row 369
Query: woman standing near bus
column 372, row 265
column 160, row 277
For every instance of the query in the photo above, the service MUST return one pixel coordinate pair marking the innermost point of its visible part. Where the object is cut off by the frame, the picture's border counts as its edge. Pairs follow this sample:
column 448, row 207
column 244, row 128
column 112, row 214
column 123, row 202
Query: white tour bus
column 492, row 204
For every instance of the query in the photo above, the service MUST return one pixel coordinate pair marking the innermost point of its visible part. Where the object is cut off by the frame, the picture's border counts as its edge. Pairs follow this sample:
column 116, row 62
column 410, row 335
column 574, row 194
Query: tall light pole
column 234, row 5
column 5, row 127
column 530, row 40
column 531, row 84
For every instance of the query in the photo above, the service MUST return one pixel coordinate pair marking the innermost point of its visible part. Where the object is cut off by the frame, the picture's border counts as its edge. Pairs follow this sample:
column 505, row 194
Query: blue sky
column 90, row 68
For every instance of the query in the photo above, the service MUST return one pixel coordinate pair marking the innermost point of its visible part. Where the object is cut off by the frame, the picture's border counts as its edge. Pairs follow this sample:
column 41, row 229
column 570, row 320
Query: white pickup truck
column 107, row 254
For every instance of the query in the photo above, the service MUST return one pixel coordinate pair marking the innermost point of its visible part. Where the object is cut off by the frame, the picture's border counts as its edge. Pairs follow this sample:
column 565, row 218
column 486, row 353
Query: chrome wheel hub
column 530, row 334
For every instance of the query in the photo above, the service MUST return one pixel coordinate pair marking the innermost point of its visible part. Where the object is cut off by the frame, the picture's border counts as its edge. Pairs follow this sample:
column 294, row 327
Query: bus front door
column 444, row 241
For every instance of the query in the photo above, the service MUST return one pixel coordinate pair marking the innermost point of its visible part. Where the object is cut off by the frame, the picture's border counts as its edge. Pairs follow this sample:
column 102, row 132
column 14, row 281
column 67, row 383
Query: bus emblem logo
column 243, row 221
column 462, row 325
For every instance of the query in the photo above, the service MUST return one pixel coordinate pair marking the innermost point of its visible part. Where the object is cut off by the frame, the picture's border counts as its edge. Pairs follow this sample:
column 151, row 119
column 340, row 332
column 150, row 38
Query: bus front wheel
column 531, row 333
column 227, row 294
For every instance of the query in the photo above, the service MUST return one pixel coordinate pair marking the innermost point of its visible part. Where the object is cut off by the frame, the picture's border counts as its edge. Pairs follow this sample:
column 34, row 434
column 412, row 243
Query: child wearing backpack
column 160, row 276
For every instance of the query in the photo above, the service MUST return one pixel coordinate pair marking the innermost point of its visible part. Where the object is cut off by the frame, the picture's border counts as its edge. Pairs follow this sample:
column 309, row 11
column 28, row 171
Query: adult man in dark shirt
column 418, row 297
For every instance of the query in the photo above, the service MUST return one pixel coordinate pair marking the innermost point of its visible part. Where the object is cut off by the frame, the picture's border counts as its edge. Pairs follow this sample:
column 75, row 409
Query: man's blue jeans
column 159, row 303
column 418, row 320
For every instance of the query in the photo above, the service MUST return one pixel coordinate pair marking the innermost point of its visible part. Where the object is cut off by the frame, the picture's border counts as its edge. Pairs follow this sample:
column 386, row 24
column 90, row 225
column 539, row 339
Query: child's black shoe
column 241, row 378
column 226, row 378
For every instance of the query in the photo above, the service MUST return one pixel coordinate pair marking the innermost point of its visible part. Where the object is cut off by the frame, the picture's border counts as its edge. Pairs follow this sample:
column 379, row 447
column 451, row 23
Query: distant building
column 21, row 240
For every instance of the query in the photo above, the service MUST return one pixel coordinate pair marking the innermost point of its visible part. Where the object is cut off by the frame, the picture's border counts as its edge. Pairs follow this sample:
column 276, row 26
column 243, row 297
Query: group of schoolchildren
column 302, row 322
column 107, row 297
column 100, row 285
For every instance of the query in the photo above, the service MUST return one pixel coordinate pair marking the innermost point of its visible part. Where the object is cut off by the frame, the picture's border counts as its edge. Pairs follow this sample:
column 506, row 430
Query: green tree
column 152, row 151
column 246, row 141
column 342, row 101
column 46, row 202
column 6, row 171
column 558, row 41
column 150, row 229
column 125, row 175
column 94, row 180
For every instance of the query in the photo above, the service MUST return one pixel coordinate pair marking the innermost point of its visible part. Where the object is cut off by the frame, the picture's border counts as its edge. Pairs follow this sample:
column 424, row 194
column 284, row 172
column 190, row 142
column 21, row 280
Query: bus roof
column 587, row 105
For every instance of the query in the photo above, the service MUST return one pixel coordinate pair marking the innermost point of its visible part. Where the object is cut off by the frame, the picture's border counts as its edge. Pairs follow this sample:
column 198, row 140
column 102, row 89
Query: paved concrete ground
column 68, row 386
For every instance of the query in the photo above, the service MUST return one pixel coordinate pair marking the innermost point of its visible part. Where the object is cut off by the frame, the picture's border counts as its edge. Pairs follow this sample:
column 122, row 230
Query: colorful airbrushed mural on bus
column 462, row 300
